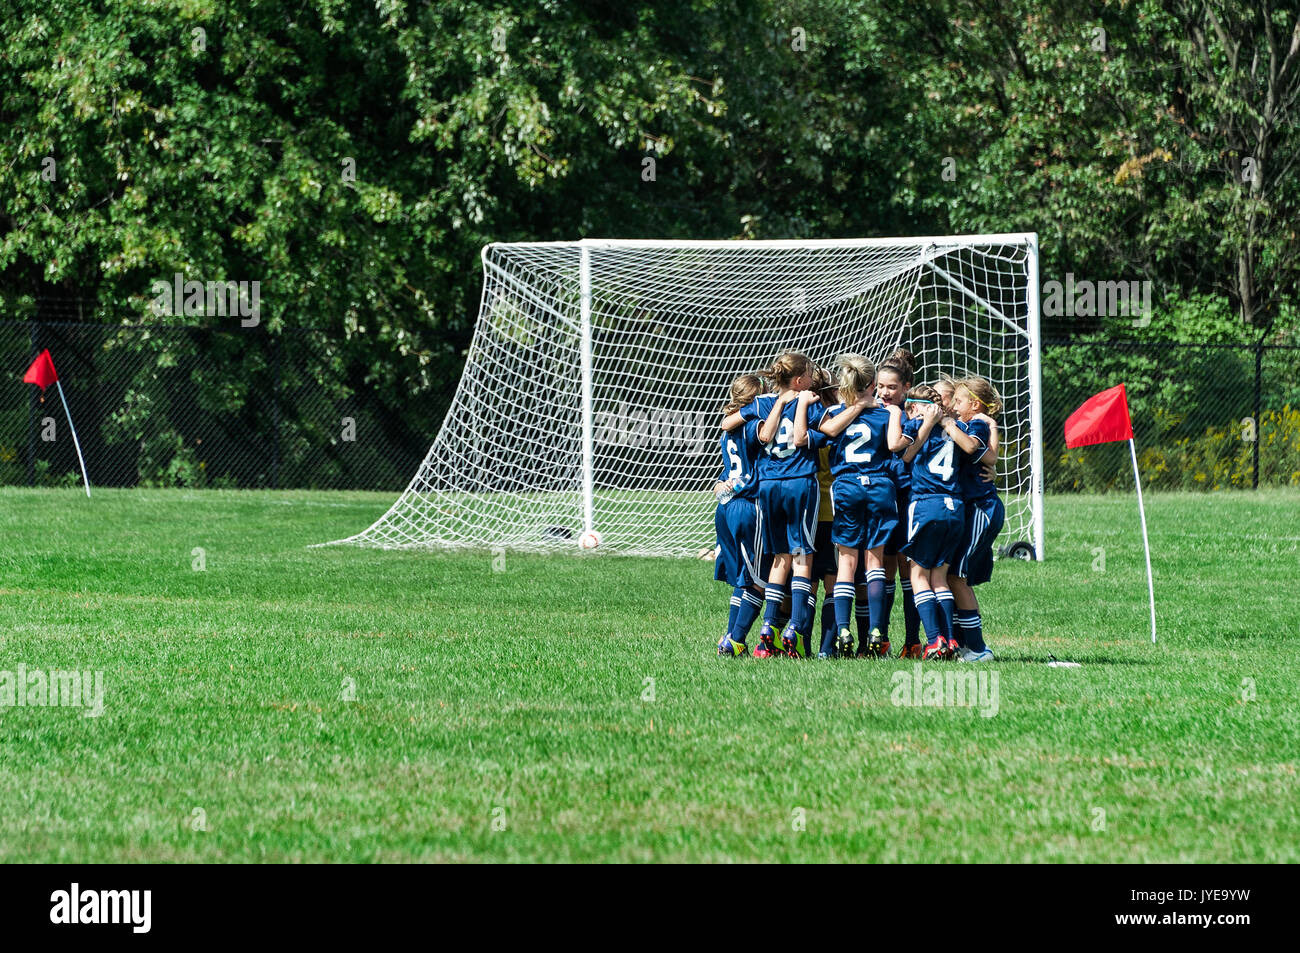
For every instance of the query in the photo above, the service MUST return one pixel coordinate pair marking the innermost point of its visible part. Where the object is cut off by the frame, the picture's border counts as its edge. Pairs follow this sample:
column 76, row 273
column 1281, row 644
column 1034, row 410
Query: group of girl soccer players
column 853, row 482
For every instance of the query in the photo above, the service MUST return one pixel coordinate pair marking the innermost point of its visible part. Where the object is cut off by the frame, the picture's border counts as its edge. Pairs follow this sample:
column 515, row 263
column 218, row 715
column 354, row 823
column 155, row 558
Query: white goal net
column 592, row 391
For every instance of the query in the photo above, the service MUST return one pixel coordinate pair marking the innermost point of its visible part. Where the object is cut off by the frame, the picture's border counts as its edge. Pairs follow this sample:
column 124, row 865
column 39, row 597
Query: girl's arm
column 801, row 418
column 960, row 437
column 930, row 415
column 896, row 439
column 991, row 454
column 767, row 432
column 834, row 426
column 732, row 421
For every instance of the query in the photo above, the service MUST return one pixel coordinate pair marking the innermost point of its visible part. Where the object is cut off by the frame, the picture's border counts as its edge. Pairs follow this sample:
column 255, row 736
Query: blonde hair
column 984, row 392
column 743, row 391
column 925, row 392
column 945, row 381
column 855, row 375
column 787, row 366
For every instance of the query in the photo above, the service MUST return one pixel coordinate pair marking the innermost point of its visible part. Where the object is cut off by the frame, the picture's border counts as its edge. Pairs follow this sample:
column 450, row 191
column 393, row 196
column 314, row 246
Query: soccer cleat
column 823, row 655
column 936, row 651
column 954, row 650
column 731, row 648
column 766, row 644
column 790, row 642
column 915, row 650
column 967, row 655
column 877, row 646
column 844, row 642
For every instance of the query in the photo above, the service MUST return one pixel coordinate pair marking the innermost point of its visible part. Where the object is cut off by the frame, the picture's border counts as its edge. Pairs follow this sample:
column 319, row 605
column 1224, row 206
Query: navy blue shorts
column 825, row 561
column 865, row 513
column 934, row 528
column 984, row 519
column 894, row 545
column 788, row 511
column 740, row 543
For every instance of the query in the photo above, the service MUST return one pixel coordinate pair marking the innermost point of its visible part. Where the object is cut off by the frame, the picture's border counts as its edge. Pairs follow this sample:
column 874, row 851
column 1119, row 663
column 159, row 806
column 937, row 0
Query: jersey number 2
column 854, row 453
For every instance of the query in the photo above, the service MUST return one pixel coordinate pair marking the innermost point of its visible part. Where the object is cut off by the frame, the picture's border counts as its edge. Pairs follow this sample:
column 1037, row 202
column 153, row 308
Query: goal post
column 593, row 384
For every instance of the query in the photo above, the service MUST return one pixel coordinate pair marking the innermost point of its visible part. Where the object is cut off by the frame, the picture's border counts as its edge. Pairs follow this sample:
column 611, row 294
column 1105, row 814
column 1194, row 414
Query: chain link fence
column 198, row 407
column 1205, row 416
column 203, row 407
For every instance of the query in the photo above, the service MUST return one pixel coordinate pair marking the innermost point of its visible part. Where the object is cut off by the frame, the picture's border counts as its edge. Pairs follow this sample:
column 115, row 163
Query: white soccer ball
column 589, row 540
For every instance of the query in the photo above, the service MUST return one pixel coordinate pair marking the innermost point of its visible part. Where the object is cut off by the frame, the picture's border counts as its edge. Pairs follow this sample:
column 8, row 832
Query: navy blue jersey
column 935, row 466
column 863, row 446
column 972, row 487
column 740, row 453
column 900, row 471
column 781, row 459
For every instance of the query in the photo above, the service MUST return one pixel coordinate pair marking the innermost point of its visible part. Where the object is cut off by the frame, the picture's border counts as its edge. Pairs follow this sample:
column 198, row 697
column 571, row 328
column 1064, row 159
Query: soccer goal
column 591, row 395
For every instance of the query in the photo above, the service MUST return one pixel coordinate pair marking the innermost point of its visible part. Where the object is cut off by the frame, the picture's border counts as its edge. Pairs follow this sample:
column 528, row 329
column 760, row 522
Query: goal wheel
column 1020, row 550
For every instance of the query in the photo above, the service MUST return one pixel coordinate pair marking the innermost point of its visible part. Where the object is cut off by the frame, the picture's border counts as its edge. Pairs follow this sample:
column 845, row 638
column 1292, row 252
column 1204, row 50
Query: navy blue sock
column 911, row 621
column 928, row 611
column 751, row 604
column 972, row 629
column 844, row 596
column 890, row 588
column 875, row 597
column 946, row 608
column 862, row 609
column 801, row 604
column 773, row 596
column 828, row 617
column 828, row 642
column 735, row 606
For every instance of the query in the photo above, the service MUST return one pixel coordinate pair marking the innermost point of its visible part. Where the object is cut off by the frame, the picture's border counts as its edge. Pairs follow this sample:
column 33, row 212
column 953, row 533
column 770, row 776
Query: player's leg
column 880, row 524
column 861, row 612
column 891, row 587
column 824, row 570
column 801, row 505
column 927, row 611
column 744, row 526
column 844, row 599
column 944, row 605
column 797, row 631
column 877, row 644
column 924, row 542
column 976, row 567
column 777, row 590
column 725, row 570
column 911, row 620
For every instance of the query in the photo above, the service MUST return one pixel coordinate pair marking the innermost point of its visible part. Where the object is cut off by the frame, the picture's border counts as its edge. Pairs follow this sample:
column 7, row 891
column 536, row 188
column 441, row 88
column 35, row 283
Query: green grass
column 519, row 696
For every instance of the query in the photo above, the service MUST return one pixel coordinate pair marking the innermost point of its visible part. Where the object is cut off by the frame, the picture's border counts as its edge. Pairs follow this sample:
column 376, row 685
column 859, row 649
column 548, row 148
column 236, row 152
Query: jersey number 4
column 942, row 462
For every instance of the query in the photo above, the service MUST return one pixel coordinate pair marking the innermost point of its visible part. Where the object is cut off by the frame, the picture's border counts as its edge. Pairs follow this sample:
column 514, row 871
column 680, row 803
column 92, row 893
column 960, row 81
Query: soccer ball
column 589, row 540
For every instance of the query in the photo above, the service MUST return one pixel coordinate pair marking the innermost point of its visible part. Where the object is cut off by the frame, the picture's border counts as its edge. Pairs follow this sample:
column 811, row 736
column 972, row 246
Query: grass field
column 504, row 716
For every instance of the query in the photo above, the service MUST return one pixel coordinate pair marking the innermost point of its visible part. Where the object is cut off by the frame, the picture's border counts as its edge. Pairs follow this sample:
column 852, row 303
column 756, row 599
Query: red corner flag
column 1103, row 418
column 42, row 372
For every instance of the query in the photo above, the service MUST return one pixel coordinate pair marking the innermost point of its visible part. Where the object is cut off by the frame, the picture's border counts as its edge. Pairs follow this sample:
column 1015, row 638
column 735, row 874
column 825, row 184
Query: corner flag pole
column 86, row 476
column 1151, row 586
